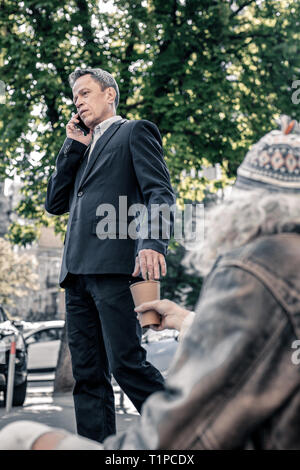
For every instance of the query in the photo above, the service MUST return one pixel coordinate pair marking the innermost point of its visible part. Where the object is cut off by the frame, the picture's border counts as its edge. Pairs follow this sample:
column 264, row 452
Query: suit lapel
column 99, row 146
column 86, row 151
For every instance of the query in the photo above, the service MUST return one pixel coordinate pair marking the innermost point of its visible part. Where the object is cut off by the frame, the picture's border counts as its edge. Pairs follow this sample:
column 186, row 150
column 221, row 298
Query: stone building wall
column 47, row 302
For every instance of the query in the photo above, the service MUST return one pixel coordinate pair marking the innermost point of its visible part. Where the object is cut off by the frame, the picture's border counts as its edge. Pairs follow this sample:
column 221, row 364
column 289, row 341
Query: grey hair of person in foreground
column 239, row 219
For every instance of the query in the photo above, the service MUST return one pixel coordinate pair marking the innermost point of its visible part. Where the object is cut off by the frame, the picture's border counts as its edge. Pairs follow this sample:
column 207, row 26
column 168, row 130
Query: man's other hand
column 151, row 264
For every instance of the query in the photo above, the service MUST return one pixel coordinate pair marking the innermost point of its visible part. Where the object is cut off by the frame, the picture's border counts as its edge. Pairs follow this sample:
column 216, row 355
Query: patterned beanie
column 273, row 163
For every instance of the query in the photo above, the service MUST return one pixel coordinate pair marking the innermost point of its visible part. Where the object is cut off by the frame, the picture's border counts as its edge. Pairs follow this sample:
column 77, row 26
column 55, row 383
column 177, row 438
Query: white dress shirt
column 100, row 129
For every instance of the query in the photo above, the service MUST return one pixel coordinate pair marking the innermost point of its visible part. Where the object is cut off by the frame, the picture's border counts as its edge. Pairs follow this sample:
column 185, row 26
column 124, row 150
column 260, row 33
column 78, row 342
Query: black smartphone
column 86, row 130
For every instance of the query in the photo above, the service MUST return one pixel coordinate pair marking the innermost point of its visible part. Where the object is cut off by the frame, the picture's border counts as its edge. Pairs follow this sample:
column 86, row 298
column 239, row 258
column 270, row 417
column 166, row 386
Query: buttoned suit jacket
column 127, row 161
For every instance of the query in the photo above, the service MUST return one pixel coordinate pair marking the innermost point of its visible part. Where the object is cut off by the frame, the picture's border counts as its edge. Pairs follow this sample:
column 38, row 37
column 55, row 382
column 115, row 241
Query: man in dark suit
column 118, row 164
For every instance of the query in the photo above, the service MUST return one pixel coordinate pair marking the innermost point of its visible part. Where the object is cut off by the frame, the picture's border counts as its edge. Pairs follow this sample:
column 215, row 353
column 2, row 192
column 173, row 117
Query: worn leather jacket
column 233, row 383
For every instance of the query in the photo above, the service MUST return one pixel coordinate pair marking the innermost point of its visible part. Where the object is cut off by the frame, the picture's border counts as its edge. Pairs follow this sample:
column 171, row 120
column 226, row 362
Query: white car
column 161, row 347
column 43, row 345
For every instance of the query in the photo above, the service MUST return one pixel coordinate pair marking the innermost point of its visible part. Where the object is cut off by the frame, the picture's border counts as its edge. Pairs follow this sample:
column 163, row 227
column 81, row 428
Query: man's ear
column 111, row 93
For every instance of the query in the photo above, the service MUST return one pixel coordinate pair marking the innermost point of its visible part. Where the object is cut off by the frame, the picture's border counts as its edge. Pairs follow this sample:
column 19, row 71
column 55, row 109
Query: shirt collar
column 104, row 125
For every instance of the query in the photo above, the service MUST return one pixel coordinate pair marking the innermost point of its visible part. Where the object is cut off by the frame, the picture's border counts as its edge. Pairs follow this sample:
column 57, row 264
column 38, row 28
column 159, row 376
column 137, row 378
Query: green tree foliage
column 178, row 285
column 212, row 74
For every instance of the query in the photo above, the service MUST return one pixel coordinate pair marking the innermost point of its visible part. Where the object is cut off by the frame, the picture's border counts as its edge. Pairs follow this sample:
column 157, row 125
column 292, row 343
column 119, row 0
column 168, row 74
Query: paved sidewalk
column 58, row 412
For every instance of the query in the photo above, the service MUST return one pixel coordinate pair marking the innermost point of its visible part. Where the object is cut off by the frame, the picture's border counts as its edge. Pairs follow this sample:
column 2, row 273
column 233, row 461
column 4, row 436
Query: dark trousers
column 105, row 337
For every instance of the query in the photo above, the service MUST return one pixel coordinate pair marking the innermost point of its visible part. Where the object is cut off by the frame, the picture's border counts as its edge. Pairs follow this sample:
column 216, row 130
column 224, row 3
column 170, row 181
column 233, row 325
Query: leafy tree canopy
column 212, row 74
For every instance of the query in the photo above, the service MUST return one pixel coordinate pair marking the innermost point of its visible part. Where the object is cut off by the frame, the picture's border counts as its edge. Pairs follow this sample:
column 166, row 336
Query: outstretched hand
column 171, row 313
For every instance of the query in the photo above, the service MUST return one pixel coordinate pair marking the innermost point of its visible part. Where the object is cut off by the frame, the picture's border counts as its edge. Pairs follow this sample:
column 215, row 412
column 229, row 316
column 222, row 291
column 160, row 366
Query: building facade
column 47, row 301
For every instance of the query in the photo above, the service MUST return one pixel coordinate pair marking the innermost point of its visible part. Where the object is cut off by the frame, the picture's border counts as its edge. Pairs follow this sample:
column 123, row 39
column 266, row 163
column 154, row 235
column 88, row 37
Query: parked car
column 161, row 347
column 43, row 345
column 7, row 330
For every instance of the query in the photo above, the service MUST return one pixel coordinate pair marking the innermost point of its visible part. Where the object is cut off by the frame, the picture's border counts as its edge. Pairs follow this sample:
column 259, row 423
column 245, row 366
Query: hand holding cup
column 172, row 315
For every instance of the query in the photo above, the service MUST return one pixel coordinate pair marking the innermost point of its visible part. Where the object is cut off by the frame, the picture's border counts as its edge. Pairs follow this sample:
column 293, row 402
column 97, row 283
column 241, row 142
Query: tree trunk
column 64, row 380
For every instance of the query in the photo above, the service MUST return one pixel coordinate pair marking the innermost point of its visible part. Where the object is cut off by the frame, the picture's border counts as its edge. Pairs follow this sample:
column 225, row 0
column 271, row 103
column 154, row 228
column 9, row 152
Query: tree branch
column 88, row 33
column 244, row 5
column 252, row 35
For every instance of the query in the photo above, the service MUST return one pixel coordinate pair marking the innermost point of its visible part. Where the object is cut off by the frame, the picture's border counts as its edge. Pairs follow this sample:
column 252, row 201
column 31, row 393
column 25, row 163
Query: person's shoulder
column 140, row 123
column 275, row 253
column 277, row 245
column 144, row 129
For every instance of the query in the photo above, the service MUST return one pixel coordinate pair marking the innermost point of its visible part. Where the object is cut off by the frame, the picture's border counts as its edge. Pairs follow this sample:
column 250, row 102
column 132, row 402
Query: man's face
column 93, row 104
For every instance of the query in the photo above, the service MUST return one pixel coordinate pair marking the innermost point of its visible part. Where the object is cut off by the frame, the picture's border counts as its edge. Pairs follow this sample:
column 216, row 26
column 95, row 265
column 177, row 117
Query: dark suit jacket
column 127, row 160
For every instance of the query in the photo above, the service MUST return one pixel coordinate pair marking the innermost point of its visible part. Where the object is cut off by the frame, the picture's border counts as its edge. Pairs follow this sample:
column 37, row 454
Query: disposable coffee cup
column 146, row 291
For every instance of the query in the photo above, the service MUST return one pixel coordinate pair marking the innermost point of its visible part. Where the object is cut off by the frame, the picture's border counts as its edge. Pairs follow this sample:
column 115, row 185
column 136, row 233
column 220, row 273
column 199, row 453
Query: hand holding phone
column 77, row 130
column 85, row 129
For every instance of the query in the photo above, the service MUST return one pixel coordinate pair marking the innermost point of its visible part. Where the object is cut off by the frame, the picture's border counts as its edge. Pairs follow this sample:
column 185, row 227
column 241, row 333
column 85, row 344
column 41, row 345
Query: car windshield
column 47, row 334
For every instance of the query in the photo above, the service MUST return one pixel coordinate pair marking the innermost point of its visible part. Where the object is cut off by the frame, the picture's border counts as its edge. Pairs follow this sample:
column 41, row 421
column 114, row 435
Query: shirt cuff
column 21, row 435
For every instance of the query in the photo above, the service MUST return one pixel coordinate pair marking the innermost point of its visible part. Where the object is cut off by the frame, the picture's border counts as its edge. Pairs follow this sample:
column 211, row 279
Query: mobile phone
column 86, row 130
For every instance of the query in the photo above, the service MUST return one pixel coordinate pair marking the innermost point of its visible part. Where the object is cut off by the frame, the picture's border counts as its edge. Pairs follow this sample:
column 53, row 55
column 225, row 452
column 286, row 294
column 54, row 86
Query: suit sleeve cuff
column 156, row 245
column 74, row 146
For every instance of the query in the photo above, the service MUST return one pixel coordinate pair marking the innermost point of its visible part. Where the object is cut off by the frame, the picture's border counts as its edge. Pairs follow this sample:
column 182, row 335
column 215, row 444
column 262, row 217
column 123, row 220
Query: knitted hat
column 273, row 163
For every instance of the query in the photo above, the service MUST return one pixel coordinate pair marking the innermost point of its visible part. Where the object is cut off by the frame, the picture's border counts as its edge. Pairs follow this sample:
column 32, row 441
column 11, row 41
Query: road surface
column 58, row 411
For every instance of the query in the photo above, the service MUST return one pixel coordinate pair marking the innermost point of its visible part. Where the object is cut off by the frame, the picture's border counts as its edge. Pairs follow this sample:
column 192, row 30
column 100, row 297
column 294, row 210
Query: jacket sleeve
column 154, row 181
column 228, row 373
column 62, row 180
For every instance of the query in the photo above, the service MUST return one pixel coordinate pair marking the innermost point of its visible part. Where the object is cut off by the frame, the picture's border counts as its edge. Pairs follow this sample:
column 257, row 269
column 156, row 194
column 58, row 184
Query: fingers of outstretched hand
column 157, row 305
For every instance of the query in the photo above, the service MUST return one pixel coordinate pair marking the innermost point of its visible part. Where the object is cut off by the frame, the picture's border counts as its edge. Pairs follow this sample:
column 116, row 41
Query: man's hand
column 150, row 263
column 73, row 132
column 172, row 315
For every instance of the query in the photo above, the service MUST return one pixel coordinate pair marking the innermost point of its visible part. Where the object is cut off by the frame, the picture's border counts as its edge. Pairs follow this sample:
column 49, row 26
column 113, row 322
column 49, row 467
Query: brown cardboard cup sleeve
column 145, row 291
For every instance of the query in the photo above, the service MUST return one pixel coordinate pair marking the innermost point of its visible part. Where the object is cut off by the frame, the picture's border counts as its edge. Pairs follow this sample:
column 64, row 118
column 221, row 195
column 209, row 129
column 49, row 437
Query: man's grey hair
column 105, row 79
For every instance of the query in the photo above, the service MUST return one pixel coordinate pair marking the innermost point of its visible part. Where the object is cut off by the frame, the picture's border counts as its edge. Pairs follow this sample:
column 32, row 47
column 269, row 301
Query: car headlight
column 4, row 347
column 5, row 342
